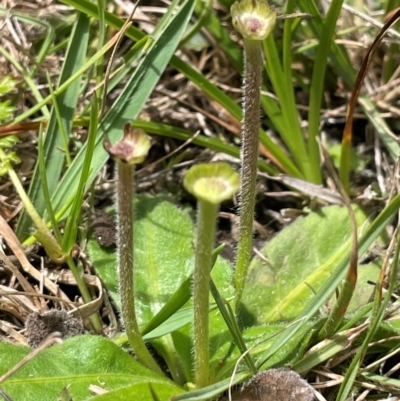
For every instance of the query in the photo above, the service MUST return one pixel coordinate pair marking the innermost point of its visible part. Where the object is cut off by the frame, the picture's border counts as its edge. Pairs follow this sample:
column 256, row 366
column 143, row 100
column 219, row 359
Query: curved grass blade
column 212, row 391
column 280, row 157
column 338, row 54
column 347, row 290
column 46, row 193
column 290, row 129
column 377, row 316
column 344, row 170
column 230, row 320
column 200, row 140
column 385, row 133
column 317, row 87
column 130, row 101
column 48, row 38
column 53, row 153
column 71, row 227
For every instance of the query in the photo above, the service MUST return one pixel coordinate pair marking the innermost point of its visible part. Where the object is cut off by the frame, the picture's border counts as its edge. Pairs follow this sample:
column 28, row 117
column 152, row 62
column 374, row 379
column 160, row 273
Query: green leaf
column 8, row 141
column 364, row 289
column 7, row 84
column 164, row 259
column 179, row 319
column 221, row 358
column 296, row 263
column 71, row 227
column 260, row 337
column 213, row 390
column 141, row 391
column 67, row 101
column 371, row 234
column 258, row 340
column 128, row 105
column 163, row 249
column 164, row 256
column 317, row 88
column 325, row 350
column 78, row 363
column 5, row 110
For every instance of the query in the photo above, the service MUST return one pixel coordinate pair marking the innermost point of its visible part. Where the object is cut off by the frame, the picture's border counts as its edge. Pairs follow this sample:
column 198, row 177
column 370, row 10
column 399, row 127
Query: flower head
column 132, row 148
column 253, row 19
column 213, row 182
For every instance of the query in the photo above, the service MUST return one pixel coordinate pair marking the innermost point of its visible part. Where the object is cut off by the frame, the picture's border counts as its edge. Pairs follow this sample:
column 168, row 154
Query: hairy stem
column 125, row 194
column 249, row 156
column 206, row 220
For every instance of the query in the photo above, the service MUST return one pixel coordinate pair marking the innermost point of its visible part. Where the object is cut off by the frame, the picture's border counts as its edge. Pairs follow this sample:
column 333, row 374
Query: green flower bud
column 132, row 148
column 213, row 183
column 253, row 19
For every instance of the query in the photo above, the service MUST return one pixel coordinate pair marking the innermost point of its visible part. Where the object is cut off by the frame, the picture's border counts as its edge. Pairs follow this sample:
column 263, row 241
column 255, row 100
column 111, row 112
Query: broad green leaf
column 158, row 245
column 164, row 258
column 141, row 391
column 231, row 322
column 172, row 315
column 296, row 263
column 78, row 363
column 221, row 346
column 367, row 274
column 371, row 234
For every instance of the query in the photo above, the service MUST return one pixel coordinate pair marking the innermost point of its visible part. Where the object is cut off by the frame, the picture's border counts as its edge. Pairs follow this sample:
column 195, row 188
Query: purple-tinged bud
column 132, row 148
column 253, row 19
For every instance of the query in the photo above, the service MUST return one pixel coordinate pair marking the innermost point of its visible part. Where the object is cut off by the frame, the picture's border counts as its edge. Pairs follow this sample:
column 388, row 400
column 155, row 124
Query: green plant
column 7, row 158
column 288, row 289
column 255, row 21
column 132, row 149
column 210, row 184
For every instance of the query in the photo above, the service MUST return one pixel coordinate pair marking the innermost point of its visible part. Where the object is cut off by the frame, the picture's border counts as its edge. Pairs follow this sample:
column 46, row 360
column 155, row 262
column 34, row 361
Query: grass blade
column 53, row 153
column 317, row 87
column 130, row 101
